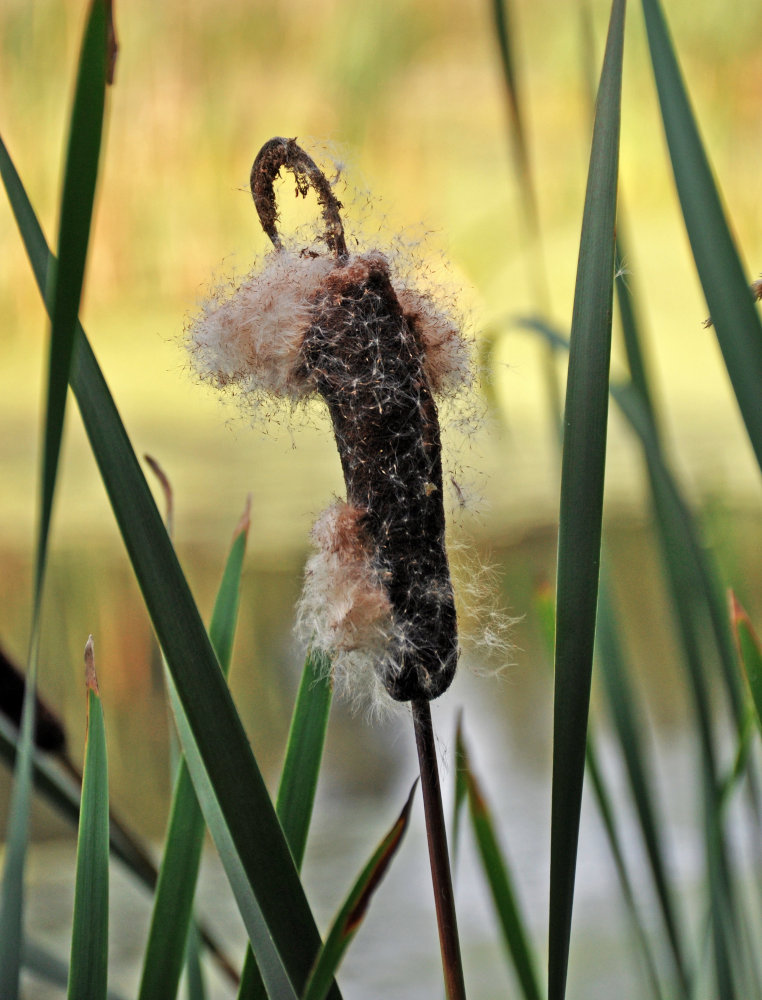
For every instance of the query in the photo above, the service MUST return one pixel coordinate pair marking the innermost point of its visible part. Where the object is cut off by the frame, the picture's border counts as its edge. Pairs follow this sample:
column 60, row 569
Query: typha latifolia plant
column 378, row 596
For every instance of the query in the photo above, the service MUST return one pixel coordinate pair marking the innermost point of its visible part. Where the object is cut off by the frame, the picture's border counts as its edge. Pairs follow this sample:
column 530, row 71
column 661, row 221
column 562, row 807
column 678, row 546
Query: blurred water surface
column 370, row 764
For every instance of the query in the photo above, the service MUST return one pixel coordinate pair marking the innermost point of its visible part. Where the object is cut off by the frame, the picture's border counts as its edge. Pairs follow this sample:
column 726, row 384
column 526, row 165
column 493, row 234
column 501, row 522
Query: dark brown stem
column 444, row 898
column 277, row 153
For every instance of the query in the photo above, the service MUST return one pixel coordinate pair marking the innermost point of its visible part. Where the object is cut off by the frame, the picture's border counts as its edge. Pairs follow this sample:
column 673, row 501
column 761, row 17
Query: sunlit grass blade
column 749, row 652
column 298, row 780
column 513, row 924
column 88, row 966
column 249, row 832
column 352, row 912
column 582, row 476
column 726, row 287
column 172, row 911
column 63, row 296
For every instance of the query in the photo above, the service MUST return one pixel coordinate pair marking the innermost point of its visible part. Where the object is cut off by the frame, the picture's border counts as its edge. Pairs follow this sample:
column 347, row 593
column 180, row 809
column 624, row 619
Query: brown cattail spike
column 365, row 357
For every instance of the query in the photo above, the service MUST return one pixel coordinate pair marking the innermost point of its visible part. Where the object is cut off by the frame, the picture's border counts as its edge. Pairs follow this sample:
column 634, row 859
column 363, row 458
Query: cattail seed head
column 376, row 350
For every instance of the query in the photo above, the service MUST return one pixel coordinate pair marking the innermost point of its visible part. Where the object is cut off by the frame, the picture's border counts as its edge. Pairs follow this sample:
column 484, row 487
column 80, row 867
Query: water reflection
column 368, row 766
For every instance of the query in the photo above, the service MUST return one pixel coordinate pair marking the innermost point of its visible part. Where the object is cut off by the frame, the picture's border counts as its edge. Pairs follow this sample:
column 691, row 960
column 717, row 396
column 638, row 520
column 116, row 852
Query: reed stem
column 444, row 898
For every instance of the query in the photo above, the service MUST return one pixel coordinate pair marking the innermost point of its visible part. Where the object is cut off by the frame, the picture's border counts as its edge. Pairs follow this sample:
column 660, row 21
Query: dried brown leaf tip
column 377, row 351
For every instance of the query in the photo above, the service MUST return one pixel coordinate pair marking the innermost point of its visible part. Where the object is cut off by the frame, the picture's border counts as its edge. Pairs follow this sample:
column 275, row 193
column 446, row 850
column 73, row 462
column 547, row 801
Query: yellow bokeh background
column 410, row 97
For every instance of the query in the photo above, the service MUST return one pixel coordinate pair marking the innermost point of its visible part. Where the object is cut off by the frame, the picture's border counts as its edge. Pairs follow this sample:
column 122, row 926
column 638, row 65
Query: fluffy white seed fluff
column 447, row 355
column 248, row 339
column 251, row 338
column 344, row 609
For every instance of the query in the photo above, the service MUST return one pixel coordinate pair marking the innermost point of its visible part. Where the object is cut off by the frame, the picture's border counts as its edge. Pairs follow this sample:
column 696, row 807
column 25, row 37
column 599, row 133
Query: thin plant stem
column 444, row 898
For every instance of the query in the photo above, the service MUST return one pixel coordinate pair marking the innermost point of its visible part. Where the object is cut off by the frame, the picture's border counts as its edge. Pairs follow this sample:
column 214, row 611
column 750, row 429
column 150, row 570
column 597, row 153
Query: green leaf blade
column 298, row 781
column 749, row 653
column 352, row 912
column 726, row 287
column 582, row 500
column 172, row 912
column 67, row 277
column 88, row 966
column 512, row 923
column 304, row 752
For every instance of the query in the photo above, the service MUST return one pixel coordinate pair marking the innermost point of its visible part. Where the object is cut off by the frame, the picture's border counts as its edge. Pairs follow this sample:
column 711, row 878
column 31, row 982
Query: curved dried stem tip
column 277, row 153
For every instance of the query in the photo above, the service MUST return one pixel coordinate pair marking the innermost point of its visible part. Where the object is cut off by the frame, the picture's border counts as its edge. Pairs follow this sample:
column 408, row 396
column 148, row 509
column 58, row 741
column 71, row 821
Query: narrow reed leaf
column 609, row 655
column 298, row 780
column 248, row 829
column 65, row 287
column 461, row 790
column 686, row 580
column 304, row 752
column 63, row 297
column 543, row 604
column 513, row 924
column 528, row 207
column 196, row 988
column 274, row 974
column 63, row 793
column 608, row 817
column 707, row 576
column 171, row 916
column 502, row 19
column 688, row 562
column 623, row 708
column 88, row 966
column 173, row 901
column 749, row 652
column 693, row 585
column 352, row 912
column 47, row 966
column 582, row 475
column 729, row 298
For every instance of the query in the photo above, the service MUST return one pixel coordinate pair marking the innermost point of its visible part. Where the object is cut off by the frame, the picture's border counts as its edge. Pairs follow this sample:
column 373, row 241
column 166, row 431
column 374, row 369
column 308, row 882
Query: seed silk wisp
column 344, row 327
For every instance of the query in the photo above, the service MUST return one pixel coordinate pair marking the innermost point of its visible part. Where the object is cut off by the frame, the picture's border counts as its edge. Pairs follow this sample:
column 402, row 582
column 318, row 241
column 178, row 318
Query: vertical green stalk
column 582, row 476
